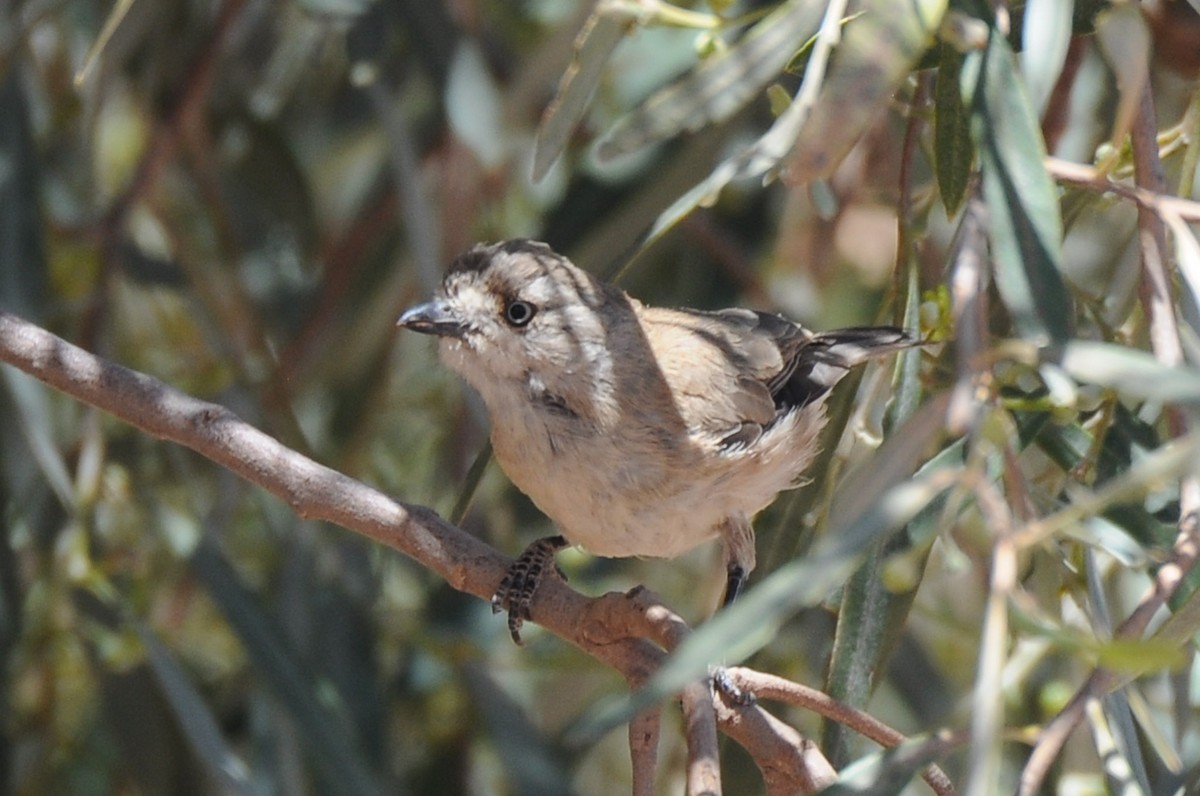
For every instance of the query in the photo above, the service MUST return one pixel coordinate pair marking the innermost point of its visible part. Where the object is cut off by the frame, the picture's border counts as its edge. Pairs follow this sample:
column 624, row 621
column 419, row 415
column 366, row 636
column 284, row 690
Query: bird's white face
column 517, row 321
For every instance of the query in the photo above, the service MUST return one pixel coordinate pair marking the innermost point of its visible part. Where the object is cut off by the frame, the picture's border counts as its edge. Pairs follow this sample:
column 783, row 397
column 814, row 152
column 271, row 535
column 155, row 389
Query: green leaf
column 196, row 719
column 870, row 619
column 534, row 763
column 879, row 47
column 334, row 754
column 953, row 152
column 719, row 86
column 1131, row 372
column 888, row 771
column 1045, row 35
column 1125, row 40
column 595, row 44
column 1025, row 227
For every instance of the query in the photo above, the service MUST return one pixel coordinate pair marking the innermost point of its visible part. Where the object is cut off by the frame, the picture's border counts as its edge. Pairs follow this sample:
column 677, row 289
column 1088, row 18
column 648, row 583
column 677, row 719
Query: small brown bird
column 639, row 431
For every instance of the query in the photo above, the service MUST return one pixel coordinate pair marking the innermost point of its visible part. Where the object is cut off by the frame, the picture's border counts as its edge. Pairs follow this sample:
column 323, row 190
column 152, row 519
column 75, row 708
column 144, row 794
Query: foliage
column 240, row 198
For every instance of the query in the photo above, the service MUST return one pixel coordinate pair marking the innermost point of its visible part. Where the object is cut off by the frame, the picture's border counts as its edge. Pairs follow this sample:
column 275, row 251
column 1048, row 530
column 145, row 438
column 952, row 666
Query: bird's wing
column 734, row 371
column 719, row 367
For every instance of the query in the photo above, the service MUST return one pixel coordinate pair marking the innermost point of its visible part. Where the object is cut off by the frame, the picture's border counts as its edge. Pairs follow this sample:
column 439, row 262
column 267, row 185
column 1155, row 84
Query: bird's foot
column 726, row 689
column 516, row 591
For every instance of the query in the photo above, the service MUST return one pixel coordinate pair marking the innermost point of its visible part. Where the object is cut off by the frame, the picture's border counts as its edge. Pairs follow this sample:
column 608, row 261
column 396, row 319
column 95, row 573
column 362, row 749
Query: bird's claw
column 725, row 688
column 516, row 590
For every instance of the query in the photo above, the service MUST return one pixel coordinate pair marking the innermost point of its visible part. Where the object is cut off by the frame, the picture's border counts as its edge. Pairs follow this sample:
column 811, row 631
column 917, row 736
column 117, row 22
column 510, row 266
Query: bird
column 638, row 430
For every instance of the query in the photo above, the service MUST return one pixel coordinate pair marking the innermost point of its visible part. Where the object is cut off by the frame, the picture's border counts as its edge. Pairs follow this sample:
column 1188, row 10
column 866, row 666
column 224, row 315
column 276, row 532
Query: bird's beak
column 433, row 317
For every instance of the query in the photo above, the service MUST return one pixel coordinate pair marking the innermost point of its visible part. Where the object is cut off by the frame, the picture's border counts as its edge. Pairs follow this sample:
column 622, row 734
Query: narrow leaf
column 953, row 151
column 1044, row 40
column 1131, row 372
column 1026, row 228
column 196, row 719
column 334, row 753
column 1125, row 41
column 879, row 48
column 601, row 34
column 888, row 771
column 719, row 86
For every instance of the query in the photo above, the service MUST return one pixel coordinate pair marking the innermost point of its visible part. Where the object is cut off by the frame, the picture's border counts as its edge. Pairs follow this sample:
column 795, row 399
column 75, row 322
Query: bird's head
column 518, row 314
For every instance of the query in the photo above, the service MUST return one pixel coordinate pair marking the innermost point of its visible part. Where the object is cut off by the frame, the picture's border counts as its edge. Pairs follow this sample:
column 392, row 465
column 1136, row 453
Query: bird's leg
column 735, row 579
column 738, row 538
column 515, row 592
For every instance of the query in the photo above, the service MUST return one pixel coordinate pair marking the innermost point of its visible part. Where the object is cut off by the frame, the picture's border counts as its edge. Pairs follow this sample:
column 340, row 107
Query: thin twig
column 779, row 689
column 1084, row 176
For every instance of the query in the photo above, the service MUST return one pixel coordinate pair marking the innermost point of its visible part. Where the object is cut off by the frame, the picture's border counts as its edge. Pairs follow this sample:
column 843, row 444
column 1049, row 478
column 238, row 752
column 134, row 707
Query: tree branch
column 773, row 687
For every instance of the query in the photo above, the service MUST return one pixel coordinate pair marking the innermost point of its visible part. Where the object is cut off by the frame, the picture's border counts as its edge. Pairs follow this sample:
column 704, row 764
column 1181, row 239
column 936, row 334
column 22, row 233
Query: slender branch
column 773, row 687
column 700, row 732
column 1085, row 176
column 644, row 731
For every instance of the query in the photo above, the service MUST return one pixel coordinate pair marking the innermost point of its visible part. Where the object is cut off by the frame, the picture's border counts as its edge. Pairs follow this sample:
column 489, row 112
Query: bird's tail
column 828, row 356
column 846, row 348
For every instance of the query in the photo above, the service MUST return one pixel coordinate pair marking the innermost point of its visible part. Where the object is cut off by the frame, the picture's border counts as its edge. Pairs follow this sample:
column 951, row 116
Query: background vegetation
column 239, row 199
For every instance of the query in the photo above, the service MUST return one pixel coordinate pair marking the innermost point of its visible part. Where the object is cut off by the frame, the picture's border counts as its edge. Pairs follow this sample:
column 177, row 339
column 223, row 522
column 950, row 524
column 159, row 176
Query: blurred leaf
column 334, row 754
column 473, row 106
column 953, row 152
column 871, row 617
column 1187, row 253
column 1183, row 624
column 534, row 763
column 1117, row 744
column 888, row 771
column 765, row 154
column 753, row 161
column 873, row 611
column 601, row 34
column 336, row 8
column 1125, row 42
column 195, row 718
column 23, row 269
column 879, row 47
column 1131, row 372
column 1103, row 534
column 718, row 86
column 1131, row 657
column 32, row 402
column 1022, row 204
column 1045, row 36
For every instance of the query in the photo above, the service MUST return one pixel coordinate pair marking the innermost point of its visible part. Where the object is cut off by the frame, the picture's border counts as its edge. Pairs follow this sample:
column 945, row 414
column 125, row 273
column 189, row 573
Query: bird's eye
column 519, row 313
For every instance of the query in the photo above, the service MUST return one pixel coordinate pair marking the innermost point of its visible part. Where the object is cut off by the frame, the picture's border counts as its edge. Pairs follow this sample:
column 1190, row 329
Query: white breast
column 621, row 494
